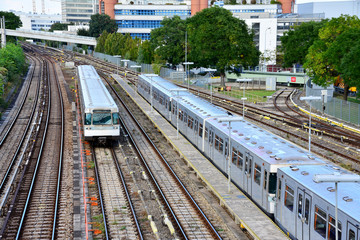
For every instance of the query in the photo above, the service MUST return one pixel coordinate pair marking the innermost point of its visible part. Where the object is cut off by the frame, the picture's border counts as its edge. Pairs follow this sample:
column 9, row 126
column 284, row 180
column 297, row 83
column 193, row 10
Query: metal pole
column 336, row 212
column 310, row 129
column 151, row 97
column 244, row 108
column 117, row 65
column 229, row 163
column 211, row 92
column 177, row 116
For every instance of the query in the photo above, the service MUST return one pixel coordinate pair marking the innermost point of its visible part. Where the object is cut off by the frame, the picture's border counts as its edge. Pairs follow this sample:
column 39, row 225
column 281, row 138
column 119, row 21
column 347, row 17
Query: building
column 329, row 8
column 37, row 22
column 107, row 7
column 78, row 11
column 140, row 18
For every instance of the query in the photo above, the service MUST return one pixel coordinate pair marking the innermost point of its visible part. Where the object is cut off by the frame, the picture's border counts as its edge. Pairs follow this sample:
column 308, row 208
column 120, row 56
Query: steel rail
column 100, row 192
column 31, row 74
column 3, row 181
column 127, row 193
column 38, row 159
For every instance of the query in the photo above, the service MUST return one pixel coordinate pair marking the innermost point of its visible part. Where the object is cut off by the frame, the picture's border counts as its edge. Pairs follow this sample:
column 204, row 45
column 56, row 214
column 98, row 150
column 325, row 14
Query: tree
column 169, row 40
column 216, row 38
column 58, row 27
column 350, row 66
column 101, row 22
column 100, row 45
column 296, row 42
column 11, row 20
column 83, row 32
column 322, row 60
column 146, row 53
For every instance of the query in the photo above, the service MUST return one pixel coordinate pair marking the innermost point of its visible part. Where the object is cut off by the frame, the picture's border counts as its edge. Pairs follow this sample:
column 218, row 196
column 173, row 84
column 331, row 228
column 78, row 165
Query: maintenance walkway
column 243, row 210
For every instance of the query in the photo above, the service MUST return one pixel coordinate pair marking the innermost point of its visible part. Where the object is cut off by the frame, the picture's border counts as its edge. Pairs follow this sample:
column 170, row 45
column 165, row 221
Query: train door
column 211, row 139
column 302, row 217
column 247, row 175
column 353, row 233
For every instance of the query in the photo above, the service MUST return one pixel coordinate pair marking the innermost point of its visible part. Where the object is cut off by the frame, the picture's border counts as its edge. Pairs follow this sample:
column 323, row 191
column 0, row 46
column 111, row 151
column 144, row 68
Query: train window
column 226, row 148
column 289, row 197
column 101, row 118
column 87, row 118
column 257, row 174
column 307, row 210
column 351, row 235
column 272, row 183
column 190, row 122
column 206, row 132
column 300, row 204
column 216, row 142
column 320, row 221
column 185, row 117
column 200, row 130
column 221, row 144
column 196, row 126
column 279, row 189
column 115, row 117
column 181, row 114
column 332, row 229
column 265, row 180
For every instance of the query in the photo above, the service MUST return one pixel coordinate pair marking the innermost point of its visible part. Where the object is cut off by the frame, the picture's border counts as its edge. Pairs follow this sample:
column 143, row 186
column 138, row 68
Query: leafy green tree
column 350, row 66
column 58, row 27
column 83, row 32
column 322, row 60
column 146, row 53
column 169, row 40
column 100, row 45
column 296, row 42
column 101, row 22
column 11, row 20
column 13, row 59
column 216, row 38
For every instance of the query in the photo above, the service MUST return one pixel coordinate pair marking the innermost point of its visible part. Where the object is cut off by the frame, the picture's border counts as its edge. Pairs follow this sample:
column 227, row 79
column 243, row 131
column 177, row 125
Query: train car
column 100, row 113
column 306, row 209
column 256, row 154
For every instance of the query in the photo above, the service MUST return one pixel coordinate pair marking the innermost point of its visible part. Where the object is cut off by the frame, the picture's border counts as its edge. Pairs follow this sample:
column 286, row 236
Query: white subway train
column 100, row 113
column 274, row 172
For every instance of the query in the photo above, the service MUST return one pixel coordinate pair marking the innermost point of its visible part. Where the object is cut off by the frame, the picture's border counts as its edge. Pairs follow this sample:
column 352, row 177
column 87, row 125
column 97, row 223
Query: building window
column 289, row 197
column 320, row 221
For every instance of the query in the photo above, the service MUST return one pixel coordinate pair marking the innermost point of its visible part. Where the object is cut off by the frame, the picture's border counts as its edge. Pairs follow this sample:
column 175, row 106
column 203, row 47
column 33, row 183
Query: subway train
column 275, row 173
column 100, row 113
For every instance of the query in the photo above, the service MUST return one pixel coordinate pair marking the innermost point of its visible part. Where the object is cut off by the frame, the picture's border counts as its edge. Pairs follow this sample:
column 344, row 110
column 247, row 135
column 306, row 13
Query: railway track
column 120, row 221
column 32, row 206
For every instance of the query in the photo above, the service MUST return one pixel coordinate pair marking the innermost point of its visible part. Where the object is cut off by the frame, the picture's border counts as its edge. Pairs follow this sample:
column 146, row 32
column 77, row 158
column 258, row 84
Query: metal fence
column 144, row 68
column 344, row 110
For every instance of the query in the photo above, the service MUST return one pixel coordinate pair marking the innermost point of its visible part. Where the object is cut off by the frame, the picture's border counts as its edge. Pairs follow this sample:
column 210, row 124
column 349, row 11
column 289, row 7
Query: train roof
column 95, row 95
column 348, row 192
column 192, row 102
column 273, row 149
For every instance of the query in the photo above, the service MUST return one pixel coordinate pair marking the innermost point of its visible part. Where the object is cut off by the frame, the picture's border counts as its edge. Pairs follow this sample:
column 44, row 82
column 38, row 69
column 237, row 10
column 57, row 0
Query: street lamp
column 310, row 98
column 186, row 75
column 244, row 80
column 177, row 108
column 336, row 178
column 151, row 83
column 265, row 49
column 135, row 67
column 229, row 120
column 117, row 62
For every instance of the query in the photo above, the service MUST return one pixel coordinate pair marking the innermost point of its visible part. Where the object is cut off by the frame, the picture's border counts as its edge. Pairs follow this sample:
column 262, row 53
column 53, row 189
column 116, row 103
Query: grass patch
column 251, row 95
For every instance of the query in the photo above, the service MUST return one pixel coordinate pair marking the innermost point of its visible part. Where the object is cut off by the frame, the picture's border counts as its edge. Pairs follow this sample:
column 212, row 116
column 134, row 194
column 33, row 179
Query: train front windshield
column 102, row 118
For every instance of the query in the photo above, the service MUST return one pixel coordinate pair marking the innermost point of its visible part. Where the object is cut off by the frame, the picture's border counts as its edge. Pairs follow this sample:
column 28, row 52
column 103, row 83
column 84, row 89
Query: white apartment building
column 78, row 11
column 37, row 22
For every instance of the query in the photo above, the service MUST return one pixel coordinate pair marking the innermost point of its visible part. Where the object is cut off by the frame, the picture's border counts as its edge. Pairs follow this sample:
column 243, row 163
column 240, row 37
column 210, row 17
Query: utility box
column 271, row 83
